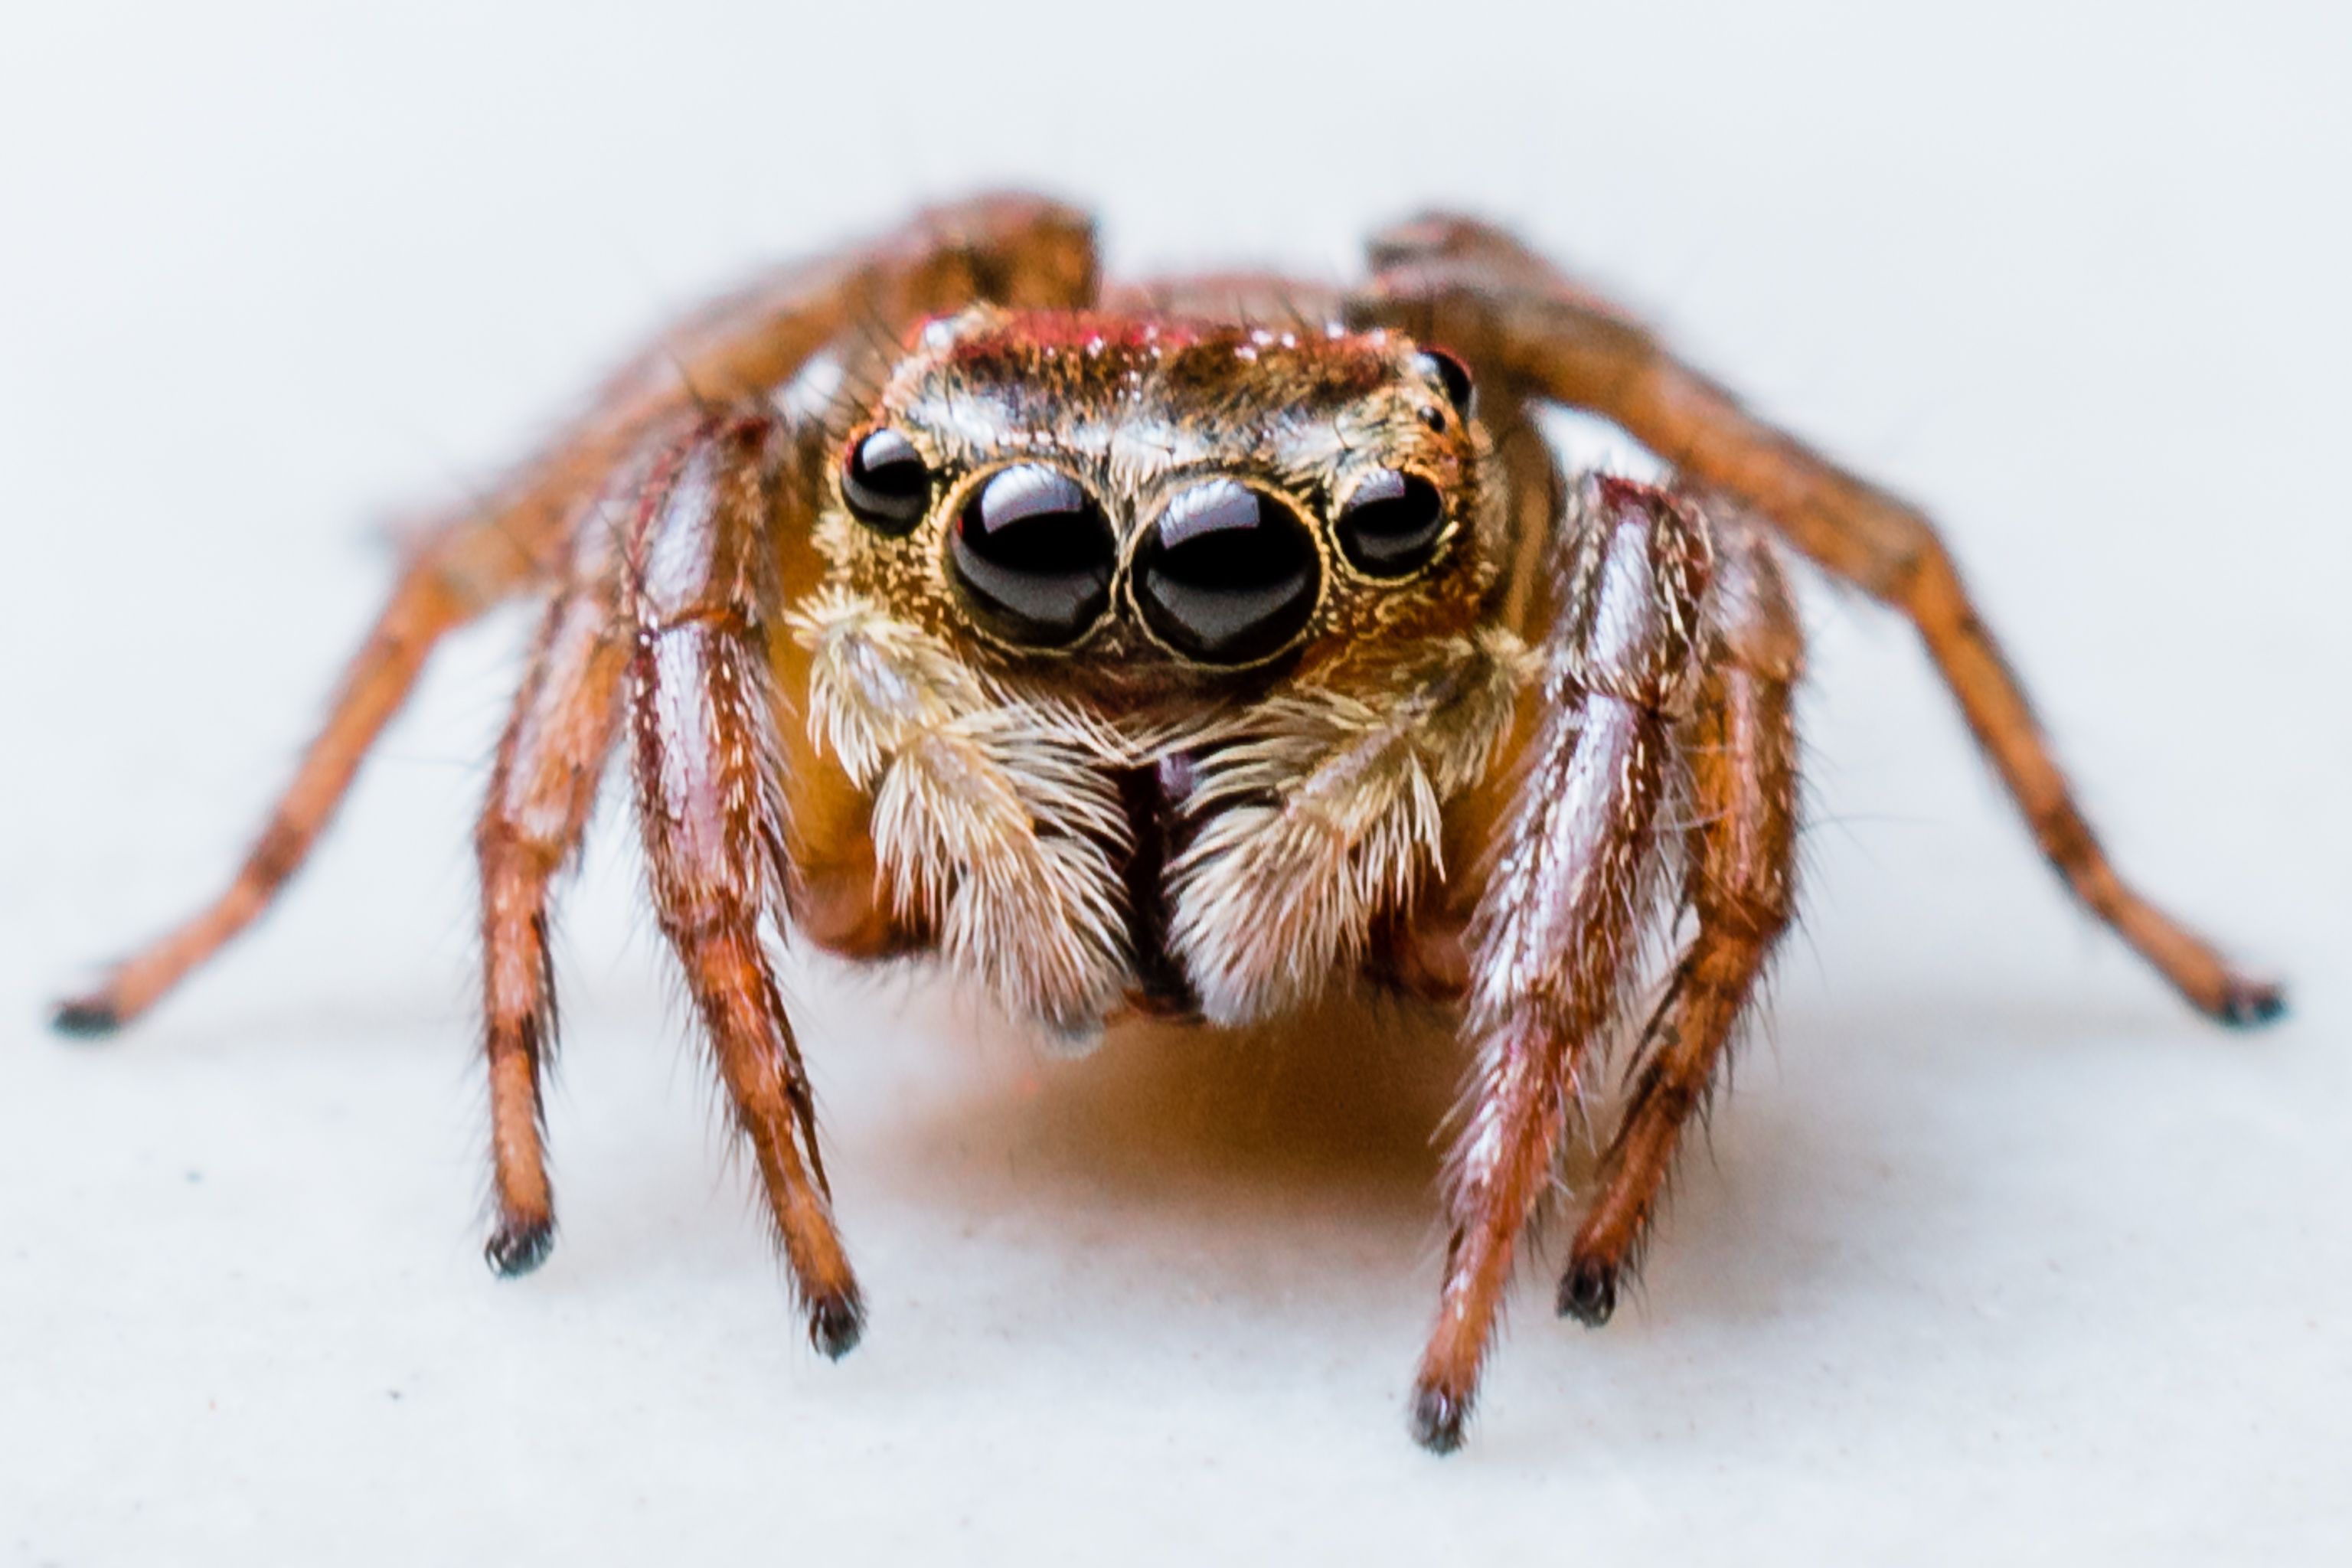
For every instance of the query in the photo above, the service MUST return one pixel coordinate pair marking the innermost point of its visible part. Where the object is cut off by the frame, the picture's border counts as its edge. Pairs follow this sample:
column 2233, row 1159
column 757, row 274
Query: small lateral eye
column 884, row 482
column 1390, row 524
column 1449, row 374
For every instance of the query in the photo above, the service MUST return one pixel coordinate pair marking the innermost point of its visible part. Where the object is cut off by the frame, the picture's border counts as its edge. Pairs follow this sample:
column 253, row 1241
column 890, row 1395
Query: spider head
column 1146, row 501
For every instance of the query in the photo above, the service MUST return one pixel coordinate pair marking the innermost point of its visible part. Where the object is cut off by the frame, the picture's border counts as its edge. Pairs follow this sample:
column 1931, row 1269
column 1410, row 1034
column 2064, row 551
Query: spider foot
column 1588, row 1291
column 1439, row 1416
column 2248, row 1004
column 86, row 1017
column 836, row 1322
column 518, row 1245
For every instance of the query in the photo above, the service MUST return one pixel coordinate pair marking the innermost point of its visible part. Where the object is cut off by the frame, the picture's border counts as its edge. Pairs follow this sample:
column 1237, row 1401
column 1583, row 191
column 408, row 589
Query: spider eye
column 884, row 482
column 1229, row 575
column 1034, row 555
column 1449, row 374
column 1391, row 524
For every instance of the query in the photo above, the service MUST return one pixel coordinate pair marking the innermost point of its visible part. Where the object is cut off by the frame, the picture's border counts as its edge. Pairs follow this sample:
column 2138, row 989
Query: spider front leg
column 1739, row 751
column 1486, row 296
column 700, row 590
column 1017, row 250
column 1554, row 940
column 664, row 607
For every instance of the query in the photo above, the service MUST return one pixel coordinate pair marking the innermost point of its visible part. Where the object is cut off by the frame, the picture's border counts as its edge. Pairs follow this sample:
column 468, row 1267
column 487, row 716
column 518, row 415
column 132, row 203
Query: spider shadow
column 1345, row 1102
column 1320, row 1136
column 1311, row 1149
column 1337, row 1120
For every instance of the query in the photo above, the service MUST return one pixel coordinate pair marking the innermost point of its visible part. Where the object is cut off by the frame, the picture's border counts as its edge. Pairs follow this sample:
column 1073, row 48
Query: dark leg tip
column 2251, row 1004
column 1438, row 1418
column 518, row 1247
column 836, row 1322
column 86, row 1018
column 1588, row 1291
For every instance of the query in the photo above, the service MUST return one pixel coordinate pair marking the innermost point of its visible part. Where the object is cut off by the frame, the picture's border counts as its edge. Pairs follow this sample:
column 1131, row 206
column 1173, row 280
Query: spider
column 1178, row 649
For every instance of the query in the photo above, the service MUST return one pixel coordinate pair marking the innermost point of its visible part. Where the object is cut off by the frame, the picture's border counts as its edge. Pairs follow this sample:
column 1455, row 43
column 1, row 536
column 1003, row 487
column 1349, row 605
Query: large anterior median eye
column 1229, row 575
column 1390, row 524
column 884, row 482
column 1034, row 554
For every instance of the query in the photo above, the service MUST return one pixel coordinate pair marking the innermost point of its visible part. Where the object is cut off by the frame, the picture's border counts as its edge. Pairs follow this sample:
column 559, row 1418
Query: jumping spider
column 1171, row 649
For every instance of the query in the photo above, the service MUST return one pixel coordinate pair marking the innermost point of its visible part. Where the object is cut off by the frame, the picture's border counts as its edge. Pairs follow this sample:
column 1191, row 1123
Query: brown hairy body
column 1183, row 649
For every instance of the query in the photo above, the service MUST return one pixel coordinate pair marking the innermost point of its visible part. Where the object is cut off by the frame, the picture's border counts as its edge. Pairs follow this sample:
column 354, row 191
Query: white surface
column 2001, row 1255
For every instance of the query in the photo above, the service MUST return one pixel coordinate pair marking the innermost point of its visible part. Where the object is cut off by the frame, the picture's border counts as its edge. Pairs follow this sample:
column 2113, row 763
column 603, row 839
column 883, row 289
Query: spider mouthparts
column 1068, row 1039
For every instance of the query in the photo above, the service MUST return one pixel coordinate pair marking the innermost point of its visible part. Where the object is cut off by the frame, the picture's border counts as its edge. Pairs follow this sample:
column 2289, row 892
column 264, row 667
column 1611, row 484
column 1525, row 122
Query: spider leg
column 549, row 763
column 1553, row 940
column 435, row 596
column 1019, row 250
column 1489, row 299
column 1740, row 748
column 699, row 592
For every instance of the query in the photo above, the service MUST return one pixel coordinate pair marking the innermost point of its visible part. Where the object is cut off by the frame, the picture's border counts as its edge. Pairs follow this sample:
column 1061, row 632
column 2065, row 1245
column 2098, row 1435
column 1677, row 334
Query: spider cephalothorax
column 1149, row 576
column 1184, row 648
column 1152, row 504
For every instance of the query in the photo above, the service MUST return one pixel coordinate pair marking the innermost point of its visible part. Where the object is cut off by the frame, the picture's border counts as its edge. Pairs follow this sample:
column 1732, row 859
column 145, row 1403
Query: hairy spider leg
column 1018, row 251
column 563, row 724
column 699, row 594
column 1469, row 286
column 1738, row 749
column 428, row 602
column 1553, row 942
column 551, row 762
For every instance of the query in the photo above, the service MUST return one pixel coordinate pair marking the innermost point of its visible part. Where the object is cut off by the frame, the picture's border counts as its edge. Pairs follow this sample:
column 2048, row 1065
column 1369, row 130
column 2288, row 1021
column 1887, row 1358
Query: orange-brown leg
column 1739, row 750
column 700, row 587
column 1016, row 249
column 433, row 596
column 550, row 762
column 1553, row 942
column 1480, row 292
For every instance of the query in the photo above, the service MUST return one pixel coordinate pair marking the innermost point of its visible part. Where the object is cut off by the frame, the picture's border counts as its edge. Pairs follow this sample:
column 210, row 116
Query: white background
column 1999, row 1253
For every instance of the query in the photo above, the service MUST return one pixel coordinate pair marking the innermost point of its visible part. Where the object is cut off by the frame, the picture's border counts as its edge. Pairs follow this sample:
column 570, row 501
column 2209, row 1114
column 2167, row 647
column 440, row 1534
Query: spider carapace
column 1184, row 647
